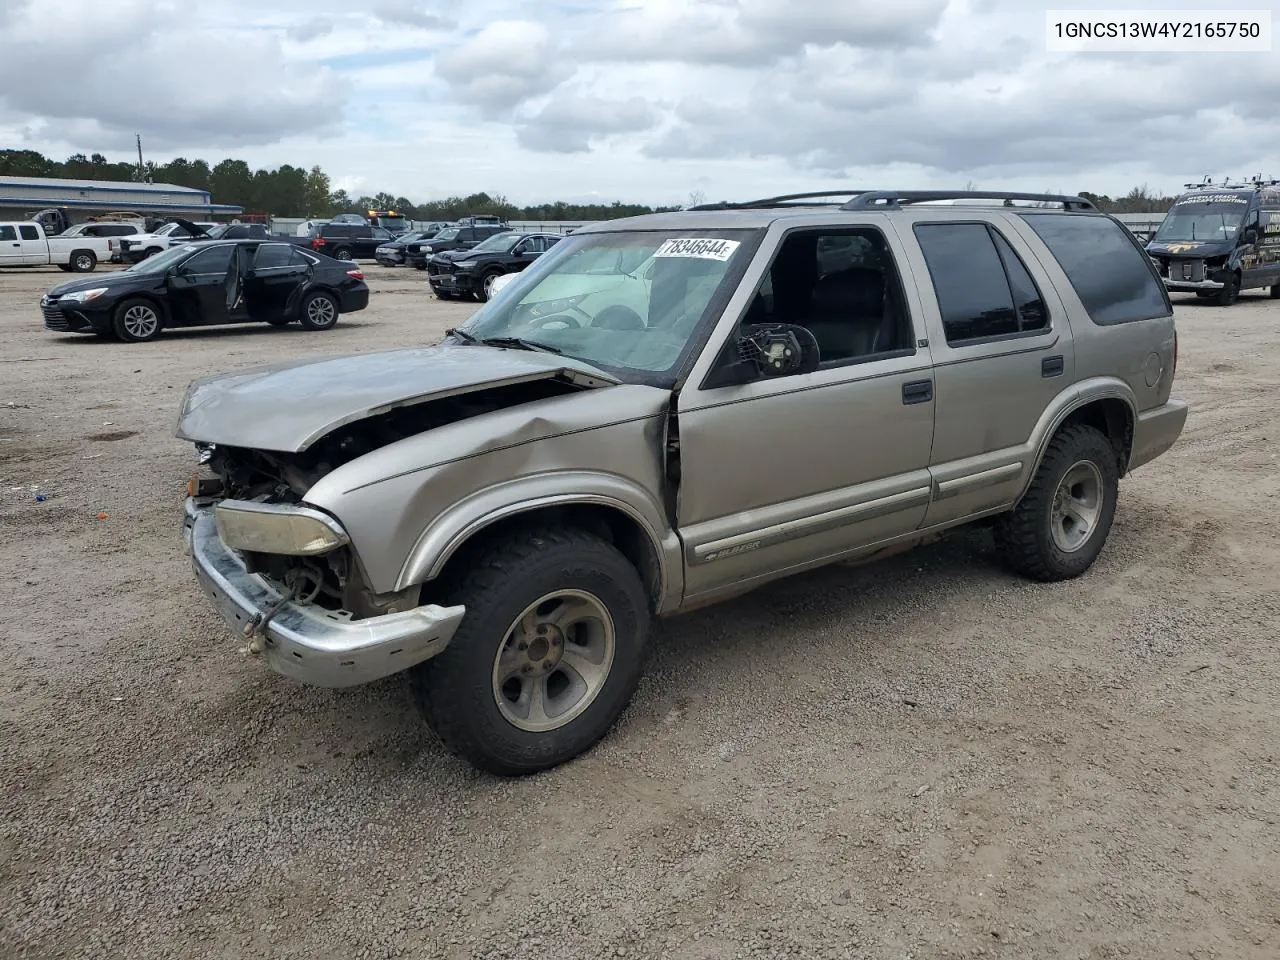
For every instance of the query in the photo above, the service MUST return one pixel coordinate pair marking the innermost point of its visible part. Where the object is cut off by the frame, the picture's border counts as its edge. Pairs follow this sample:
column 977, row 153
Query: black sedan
column 461, row 273
column 390, row 253
column 209, row 283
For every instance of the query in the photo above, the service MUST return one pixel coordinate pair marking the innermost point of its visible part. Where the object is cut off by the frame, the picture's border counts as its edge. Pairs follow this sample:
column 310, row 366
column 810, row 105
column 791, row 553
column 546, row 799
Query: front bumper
column 452, row 282
column 304, row 641
column 1189, row 285
column 1156, row 431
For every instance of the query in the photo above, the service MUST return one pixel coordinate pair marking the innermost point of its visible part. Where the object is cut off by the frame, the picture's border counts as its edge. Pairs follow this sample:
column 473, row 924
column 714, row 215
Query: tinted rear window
column 1112, row 277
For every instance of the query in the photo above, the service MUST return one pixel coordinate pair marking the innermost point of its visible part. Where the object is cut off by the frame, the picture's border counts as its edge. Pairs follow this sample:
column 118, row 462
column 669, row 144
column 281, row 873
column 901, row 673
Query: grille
column 1192, row 270
column 54, row 319
column 434, row 269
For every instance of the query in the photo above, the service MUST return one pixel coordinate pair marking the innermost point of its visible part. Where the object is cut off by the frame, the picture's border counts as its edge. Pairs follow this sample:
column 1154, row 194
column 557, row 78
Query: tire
column 1204, row 295
column 66, row 268
column 482, row 292
column 459, row 691
column 150, row 252
column 445, row 295
column 1230, row 292
column 319, row 311
column 1035, row 539
column 1275, row 291
column 279, row 321
column 342, row 253
column 137, row 320
column 83, row 261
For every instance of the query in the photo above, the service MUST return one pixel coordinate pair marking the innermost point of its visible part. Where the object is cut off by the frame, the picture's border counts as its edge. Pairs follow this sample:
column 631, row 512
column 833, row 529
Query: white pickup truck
column 24, row 244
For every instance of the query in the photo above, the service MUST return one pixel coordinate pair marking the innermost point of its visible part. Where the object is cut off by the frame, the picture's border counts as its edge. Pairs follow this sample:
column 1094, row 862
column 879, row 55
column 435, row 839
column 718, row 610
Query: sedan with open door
column 209, row 284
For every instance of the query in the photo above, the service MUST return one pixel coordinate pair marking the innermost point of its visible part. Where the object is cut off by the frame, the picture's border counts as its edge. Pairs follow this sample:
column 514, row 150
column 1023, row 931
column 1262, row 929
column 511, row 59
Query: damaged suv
column 669, row 410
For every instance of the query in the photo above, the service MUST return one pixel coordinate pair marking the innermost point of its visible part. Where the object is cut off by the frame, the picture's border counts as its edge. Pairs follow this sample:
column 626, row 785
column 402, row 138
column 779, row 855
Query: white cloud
column 634, row 99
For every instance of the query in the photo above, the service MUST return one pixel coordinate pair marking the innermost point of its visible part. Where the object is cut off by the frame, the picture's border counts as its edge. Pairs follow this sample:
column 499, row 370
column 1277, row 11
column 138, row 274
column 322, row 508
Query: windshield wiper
column 520, row 342
column 461, row 335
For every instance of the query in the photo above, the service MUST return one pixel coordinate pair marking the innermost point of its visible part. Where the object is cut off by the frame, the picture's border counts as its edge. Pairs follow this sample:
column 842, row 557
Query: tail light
column 356, row 274
column 317, row 243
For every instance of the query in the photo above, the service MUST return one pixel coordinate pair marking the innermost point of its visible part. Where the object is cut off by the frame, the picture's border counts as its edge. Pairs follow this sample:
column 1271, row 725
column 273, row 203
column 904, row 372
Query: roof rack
column 869, row 199
column 786, row 199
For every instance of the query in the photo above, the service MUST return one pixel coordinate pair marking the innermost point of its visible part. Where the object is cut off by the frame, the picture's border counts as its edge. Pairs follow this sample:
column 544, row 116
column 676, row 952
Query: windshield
column 499, row 241
column 451, row 234
column 1203, row 219
column 219, row 230
column 631, row 302
column 161, row 262
column 393, row 223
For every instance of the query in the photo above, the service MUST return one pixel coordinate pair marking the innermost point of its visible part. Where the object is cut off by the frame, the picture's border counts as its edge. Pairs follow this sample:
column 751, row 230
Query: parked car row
column 24, row 244
column 206, row 283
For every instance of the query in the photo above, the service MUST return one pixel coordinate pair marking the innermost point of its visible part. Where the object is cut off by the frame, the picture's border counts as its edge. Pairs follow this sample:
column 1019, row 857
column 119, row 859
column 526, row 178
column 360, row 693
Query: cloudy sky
column 643, row 100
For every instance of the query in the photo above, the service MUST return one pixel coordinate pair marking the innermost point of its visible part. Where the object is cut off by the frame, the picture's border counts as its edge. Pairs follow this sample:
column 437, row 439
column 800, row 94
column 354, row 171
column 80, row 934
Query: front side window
column 29, row 233
column 1109, row 272
column 630, row 302
column 983, row 288
column 8, row 233
column 843, row 288
column 211, row 260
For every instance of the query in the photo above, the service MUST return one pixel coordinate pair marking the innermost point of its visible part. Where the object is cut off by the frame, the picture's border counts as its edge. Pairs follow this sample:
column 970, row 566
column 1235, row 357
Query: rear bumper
column 303, row 641
column 352, row 300
column 1156, row 431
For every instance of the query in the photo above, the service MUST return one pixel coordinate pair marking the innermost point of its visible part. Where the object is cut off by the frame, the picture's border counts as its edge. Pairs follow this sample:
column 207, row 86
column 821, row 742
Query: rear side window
column 1112, row 277
column 211, row 260
column 273, row 255
column 29, row 233
column 984, row 290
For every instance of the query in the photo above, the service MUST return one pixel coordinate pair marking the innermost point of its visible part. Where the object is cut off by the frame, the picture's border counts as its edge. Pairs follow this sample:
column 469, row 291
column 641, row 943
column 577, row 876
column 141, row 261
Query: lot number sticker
column 701, row 248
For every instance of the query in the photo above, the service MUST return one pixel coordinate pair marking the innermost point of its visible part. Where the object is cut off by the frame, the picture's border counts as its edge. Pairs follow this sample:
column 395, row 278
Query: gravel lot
column 925, row 758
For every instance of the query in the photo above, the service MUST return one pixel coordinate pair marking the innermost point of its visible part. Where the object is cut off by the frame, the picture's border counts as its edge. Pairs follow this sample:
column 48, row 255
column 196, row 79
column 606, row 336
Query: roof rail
column 870, row 199
column 785, row 199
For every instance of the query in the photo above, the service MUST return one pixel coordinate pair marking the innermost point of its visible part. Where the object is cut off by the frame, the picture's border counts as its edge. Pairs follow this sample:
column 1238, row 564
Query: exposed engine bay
column 334, row 580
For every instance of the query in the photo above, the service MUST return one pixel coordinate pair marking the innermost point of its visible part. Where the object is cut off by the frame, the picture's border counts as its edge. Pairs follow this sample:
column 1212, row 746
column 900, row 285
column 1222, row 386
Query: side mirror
column 1249, row 238
column 767, row 352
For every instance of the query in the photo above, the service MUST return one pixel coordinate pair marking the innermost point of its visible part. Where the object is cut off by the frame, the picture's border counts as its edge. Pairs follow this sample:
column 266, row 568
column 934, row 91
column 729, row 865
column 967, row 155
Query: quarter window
column 983, row 288
column 1108, row 271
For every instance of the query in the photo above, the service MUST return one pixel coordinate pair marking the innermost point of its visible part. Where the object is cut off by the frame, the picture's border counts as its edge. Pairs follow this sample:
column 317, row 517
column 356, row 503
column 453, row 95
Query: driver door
column 197, row 294
column 779, row 473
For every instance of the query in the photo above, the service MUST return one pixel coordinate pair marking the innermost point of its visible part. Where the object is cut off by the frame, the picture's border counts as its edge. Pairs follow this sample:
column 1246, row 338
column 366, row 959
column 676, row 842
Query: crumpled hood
column 289, row 406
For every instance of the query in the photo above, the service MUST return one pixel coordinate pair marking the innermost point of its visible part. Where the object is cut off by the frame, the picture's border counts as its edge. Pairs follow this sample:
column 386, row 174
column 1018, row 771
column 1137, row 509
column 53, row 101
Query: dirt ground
column 926, row 758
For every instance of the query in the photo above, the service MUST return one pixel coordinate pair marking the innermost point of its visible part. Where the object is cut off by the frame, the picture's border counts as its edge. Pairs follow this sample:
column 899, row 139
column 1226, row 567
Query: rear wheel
column 136, row 320
column 66, row 268
column 342, row 253
column 547, row 656
column 319, row 311
column 1230, row 291
column 1058, row 529
column 1275, row 291
column 150, row 252
column 84, row 261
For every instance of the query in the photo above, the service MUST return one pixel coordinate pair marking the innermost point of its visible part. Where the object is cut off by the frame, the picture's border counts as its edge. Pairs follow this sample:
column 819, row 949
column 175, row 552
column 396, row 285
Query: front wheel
column 486, row 286
column 1230, row 291
column 1058, row 529
column 319, row 311
column 547, row 656
column 136, row 321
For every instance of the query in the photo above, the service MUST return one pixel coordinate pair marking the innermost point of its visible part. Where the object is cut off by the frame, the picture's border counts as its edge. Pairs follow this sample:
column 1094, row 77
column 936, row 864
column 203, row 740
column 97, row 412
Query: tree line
column 289, row 191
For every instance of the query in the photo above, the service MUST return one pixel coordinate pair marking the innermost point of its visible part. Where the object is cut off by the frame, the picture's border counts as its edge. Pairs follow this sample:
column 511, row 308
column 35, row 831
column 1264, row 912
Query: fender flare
column 1084, row 393
column 451, row 529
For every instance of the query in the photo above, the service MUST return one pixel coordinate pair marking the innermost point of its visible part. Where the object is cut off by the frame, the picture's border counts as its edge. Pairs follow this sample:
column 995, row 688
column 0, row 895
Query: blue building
column 22, row 196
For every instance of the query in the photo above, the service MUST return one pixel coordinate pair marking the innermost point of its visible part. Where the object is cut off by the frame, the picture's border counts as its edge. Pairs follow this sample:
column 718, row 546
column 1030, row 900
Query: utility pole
column 142, row 170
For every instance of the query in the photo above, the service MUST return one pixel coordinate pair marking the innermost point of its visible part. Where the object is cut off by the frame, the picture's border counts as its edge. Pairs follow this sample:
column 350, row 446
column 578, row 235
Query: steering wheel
column 618, row 317
column 560, row 319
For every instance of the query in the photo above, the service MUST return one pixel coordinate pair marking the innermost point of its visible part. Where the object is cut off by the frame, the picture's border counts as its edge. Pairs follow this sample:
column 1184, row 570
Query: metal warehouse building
column 22, row 196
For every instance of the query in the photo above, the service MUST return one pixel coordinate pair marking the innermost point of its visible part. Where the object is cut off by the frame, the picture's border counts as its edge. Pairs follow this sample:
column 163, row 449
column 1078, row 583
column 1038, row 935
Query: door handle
column 1052, row 367
column 917, row 391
